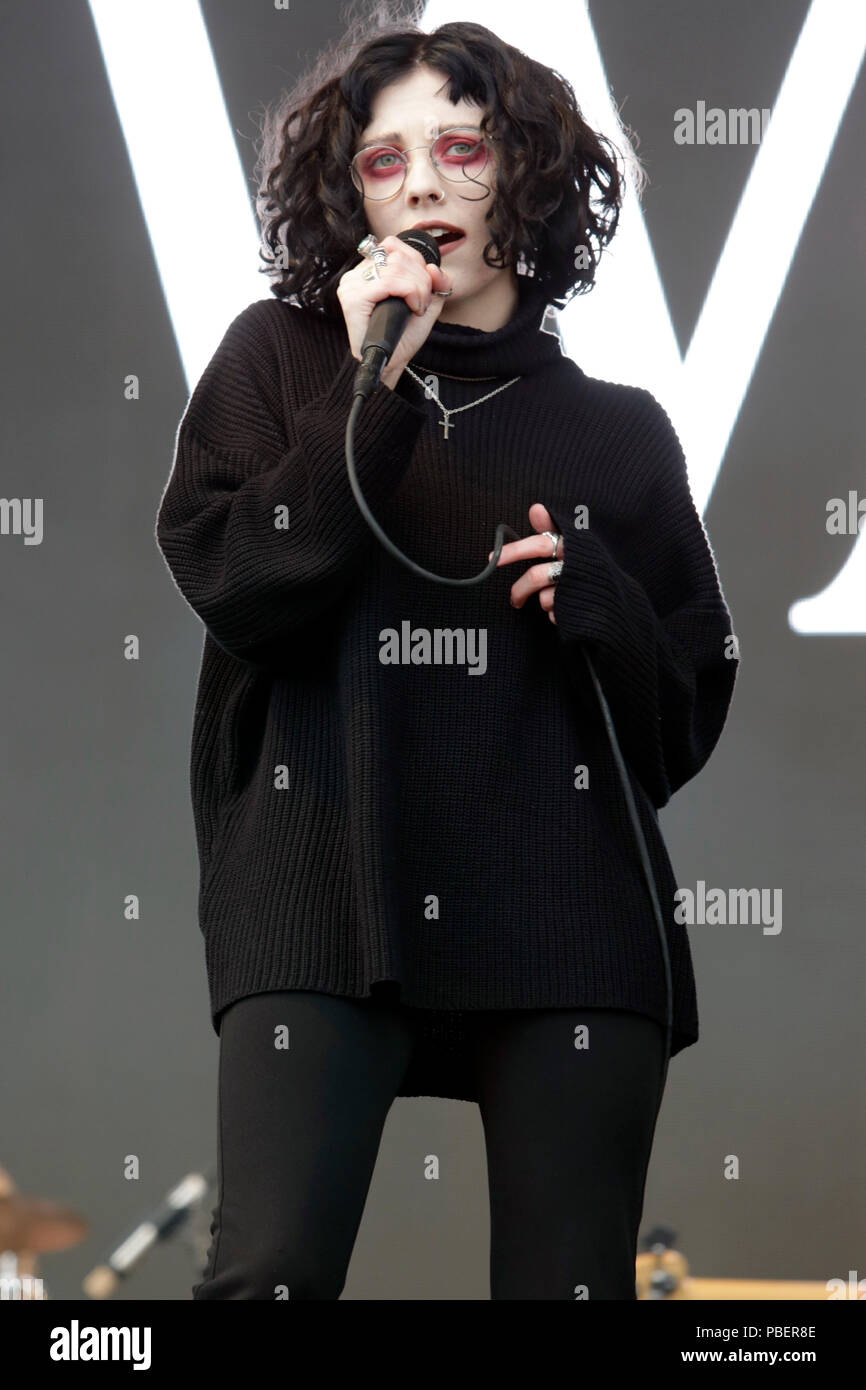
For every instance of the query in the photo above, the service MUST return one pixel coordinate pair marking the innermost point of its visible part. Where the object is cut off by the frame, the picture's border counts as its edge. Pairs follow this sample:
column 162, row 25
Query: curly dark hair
column 312, row 216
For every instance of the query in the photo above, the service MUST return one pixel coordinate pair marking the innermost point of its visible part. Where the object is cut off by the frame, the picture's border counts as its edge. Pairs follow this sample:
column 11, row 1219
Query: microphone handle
column 387, row 322
column 384, row 332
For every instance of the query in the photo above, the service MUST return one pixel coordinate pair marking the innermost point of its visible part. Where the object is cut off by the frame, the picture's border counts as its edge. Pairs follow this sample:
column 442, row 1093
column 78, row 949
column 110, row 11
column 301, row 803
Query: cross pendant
column 446, row 426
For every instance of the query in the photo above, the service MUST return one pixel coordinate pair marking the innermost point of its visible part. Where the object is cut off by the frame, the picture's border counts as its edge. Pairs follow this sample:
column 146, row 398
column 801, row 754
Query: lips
column 450, row 234
column 445, row 247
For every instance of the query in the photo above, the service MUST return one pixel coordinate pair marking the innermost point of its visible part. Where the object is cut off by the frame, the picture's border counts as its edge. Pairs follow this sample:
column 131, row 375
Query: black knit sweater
column 386, row 773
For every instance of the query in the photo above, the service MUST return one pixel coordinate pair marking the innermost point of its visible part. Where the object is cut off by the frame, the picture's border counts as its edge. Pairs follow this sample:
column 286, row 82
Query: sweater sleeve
column 263, row 535
column 642, row 594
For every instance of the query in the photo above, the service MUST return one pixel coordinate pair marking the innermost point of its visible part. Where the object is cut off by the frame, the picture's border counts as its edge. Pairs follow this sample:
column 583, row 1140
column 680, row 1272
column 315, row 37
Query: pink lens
column 460, row 154
column 379, row 165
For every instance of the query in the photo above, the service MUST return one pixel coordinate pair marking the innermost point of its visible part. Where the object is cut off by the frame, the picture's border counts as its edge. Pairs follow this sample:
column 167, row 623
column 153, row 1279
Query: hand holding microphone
column 408, row 281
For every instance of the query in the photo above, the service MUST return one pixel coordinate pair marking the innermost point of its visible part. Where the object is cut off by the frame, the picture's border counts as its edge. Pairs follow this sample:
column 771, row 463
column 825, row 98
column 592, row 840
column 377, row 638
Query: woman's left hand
column 535, row 580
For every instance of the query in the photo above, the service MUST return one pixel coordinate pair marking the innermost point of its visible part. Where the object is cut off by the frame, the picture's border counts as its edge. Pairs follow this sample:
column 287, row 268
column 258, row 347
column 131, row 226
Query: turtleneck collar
column 517, row 348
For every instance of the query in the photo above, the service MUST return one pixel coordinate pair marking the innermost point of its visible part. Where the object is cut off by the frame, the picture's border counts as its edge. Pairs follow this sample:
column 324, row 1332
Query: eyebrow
column 387, row 139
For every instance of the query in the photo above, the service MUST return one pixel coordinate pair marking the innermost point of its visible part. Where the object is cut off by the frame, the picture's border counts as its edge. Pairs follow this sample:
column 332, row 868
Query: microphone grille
column 423, row 242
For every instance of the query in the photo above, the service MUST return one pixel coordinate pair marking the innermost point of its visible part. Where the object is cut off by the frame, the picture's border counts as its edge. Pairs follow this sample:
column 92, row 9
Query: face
column 417, row 109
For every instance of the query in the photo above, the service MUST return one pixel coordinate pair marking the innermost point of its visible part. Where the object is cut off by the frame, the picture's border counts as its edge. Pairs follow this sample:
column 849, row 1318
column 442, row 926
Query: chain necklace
column 445, row 422
column 450, row 376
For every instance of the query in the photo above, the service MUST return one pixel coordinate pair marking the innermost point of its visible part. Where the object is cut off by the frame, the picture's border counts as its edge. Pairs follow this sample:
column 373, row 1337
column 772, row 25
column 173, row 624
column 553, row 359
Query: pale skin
column 534, row 580
column 482, row 296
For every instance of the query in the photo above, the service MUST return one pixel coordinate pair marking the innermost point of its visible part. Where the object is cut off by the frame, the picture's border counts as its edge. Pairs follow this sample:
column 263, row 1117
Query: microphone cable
column 361, row 394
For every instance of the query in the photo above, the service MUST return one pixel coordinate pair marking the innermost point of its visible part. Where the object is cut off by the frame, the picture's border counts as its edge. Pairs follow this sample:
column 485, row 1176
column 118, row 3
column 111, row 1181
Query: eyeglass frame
column 402, row 153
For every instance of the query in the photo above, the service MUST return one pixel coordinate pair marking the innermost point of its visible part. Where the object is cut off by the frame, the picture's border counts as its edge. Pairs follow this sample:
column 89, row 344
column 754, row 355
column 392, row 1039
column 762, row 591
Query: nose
column 422, row 180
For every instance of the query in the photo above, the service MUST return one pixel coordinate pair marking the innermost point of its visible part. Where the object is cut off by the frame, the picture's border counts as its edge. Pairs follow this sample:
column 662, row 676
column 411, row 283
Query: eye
column 459, row 147
column 465, row 151
column 383, row 154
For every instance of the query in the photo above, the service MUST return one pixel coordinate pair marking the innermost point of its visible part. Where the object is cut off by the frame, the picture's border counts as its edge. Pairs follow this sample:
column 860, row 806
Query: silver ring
column 555, row 539
column 370, row 247
column 554, row 570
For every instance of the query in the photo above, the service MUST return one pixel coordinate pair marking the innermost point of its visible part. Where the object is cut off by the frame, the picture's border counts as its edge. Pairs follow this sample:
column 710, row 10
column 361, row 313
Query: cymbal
column 31, row 1223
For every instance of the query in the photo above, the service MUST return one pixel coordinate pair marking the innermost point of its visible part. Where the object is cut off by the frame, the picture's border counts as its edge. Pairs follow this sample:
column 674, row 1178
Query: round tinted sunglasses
column 459, row 154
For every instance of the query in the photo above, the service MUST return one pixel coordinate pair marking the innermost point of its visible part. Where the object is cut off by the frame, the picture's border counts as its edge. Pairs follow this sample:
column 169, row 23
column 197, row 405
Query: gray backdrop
column 107, row 1043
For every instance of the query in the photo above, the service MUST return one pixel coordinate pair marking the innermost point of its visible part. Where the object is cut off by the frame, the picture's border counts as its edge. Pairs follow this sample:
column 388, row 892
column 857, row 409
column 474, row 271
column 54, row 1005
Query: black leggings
column 568, row 1133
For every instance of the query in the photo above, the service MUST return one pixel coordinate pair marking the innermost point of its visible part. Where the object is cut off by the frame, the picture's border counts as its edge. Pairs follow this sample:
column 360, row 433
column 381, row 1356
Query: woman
column 419, row 876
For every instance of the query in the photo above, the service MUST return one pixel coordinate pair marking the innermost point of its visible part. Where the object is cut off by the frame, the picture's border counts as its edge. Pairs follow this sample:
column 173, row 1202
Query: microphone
column 102, row 1281
column 388, row 320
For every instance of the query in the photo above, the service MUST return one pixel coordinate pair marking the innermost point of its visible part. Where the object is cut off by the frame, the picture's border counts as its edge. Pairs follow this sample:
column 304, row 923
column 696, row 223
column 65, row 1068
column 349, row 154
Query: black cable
column 647, row 866
column 501, row 530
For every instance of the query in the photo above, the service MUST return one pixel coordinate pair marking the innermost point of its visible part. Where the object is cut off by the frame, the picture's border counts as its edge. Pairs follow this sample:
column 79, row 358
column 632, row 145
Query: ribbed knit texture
column 361, row 822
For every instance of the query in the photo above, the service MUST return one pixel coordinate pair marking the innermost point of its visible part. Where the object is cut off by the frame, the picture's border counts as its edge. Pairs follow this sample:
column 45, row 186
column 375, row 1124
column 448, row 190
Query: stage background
column 108, row 1048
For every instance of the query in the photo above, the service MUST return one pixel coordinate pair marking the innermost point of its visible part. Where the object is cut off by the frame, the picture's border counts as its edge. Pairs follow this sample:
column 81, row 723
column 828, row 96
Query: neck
column 487, row 309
